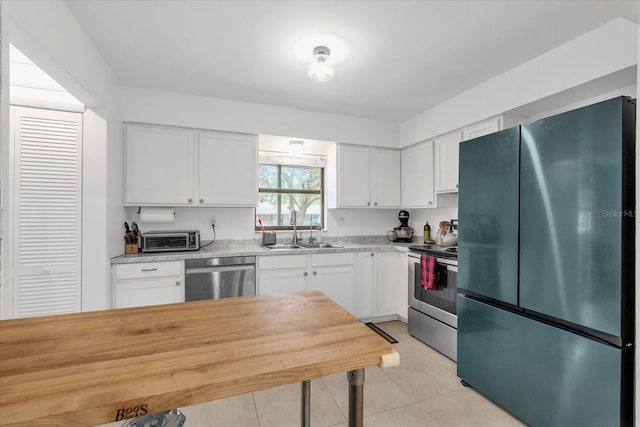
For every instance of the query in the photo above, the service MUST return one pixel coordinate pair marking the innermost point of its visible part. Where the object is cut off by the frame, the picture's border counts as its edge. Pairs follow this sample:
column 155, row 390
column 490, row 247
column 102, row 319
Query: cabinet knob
column 457, row 185
column 430, row 202
column 314, row 273
column 201, row 200
column 306, row 274
column 376, row 204
column 178, row 283
column 368, row 203
column 371, row 253
column 189, row 200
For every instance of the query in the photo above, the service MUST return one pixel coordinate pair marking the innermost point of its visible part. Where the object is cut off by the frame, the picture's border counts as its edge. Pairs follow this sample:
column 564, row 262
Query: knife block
column 130, row 249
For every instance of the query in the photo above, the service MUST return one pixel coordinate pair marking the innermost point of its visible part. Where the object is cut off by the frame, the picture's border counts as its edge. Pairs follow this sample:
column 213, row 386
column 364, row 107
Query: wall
column 601, row 52
column 150, row 106
column 238, row 223
column 48, row 34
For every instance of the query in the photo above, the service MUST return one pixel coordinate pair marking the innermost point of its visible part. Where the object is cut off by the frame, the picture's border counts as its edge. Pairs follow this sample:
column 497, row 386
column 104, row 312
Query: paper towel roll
column 157, row 215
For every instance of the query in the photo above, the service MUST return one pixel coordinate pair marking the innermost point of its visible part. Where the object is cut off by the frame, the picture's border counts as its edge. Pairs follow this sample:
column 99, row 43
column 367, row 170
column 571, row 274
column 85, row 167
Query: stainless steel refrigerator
column 546, row 267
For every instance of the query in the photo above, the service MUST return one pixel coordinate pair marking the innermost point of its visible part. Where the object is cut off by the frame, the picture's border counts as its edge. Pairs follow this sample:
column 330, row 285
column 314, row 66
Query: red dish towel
column 429, row 278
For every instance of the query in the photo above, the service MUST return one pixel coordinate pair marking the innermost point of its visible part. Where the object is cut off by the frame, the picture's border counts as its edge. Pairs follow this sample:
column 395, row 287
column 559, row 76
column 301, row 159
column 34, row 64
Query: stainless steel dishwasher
column 215, row 278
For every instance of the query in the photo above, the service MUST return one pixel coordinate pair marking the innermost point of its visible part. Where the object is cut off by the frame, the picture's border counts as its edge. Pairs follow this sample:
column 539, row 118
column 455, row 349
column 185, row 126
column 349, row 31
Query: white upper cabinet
column 385, row 178
column 431, row 167
column 446, row 162
column 158, row 166
column 353, row 176
column 364, row 177
column 167, row 166
column 482, row 128
column 417, row 176
column 227, row 169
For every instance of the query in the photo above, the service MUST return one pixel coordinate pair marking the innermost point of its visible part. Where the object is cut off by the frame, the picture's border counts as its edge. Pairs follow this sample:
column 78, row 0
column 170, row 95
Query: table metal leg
column 356, row 397
column 305, row 413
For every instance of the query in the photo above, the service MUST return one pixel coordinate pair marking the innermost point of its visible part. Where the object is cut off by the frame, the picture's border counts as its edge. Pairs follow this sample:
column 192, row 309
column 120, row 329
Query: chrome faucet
column 311, row 238
column 294, row 220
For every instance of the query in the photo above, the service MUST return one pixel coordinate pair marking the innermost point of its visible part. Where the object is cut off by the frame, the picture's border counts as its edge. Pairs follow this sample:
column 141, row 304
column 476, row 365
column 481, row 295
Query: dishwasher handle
column 220, row 268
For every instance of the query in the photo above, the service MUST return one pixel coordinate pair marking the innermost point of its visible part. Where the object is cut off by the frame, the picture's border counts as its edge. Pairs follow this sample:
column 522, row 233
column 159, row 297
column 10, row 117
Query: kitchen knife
column 126, row 227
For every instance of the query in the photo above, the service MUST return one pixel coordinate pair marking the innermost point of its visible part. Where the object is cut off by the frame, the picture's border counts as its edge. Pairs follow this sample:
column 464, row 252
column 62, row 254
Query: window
column 285, row 188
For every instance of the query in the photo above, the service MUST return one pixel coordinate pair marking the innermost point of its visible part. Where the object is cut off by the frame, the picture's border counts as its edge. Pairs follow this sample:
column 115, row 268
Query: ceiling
column 404, row 56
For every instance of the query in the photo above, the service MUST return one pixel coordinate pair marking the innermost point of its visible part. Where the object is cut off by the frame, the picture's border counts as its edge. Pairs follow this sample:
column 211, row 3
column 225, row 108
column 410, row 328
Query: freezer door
column 488, row 213
column 544, row 375
column 571, row 215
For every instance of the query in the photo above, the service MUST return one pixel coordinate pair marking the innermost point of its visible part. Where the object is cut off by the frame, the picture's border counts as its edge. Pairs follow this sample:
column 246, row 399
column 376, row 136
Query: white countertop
column 250, row 248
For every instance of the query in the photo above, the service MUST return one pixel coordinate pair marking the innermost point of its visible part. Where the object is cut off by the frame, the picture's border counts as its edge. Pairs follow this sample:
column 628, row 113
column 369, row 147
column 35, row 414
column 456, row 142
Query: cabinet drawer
column 282, row 261
column 318, row 260
column 142, row 270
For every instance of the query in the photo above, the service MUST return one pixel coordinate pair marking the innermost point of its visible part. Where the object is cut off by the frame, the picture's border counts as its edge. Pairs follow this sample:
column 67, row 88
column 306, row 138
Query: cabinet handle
column 457, row 185
column 314, row 273
column 430, row 202
column 201, row 200
column 306, row 274
column 368, row 203
column 178, row 283
column 190, row 200
column 149, row 269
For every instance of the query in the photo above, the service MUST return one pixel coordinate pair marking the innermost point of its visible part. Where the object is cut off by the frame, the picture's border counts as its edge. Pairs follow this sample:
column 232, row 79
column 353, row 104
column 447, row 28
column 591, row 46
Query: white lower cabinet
column 282, row 274
column 148, row 283
column 393, row 288
column 332, row 274
column 366, row 287
column 382, row 289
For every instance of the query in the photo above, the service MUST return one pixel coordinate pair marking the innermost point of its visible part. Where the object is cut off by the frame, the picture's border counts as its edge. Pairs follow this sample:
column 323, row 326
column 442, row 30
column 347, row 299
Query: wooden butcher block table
column 99, row 367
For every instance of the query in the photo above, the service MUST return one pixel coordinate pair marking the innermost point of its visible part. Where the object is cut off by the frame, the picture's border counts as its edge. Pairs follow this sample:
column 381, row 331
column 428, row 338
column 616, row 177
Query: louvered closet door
column 47, row 212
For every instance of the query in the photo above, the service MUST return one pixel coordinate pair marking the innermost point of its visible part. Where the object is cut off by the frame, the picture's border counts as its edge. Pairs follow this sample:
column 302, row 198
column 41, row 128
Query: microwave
column 170, row 241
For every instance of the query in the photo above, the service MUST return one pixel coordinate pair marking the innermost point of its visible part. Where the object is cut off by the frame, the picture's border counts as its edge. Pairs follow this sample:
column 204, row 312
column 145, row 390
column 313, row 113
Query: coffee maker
column 403, row 233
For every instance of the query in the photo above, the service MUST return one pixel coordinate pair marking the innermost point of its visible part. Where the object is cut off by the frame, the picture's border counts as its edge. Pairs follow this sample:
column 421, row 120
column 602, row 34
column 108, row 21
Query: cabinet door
column 417, row 176
column 385, row 178
column 338, row 283
column 393, row 288
column 138, row 293
column 353, row 177
column 482, row 129
column 447, row 151
column 227, row 170
column 366, row 285
column 282, row 281
column 158, row 166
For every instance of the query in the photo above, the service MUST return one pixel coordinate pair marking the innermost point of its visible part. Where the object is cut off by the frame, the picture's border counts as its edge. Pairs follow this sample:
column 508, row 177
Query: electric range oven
column 432, row 312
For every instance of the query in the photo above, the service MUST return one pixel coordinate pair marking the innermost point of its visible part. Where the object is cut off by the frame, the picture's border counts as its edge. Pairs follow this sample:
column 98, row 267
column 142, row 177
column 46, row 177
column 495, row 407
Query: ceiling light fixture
column 296, row 147
column 320, row 67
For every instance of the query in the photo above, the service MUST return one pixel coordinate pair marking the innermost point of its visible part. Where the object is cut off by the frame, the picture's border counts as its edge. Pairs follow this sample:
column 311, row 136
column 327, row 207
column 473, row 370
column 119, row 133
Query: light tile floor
column 423, row 391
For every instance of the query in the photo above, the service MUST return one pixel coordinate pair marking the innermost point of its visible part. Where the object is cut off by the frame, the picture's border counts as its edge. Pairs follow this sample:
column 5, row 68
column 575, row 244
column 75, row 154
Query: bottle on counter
column 427, row 232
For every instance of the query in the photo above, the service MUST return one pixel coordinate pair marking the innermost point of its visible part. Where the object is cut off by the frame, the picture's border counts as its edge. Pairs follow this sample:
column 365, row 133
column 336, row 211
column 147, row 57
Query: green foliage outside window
column 283, row 189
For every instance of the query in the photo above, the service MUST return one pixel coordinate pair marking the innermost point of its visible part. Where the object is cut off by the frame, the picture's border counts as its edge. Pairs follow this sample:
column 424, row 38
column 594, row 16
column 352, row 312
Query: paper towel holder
column 156, row 214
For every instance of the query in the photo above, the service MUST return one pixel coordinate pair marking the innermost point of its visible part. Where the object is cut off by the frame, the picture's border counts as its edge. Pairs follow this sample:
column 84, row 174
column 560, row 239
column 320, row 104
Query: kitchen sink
column 302, row 246
column 318, row 245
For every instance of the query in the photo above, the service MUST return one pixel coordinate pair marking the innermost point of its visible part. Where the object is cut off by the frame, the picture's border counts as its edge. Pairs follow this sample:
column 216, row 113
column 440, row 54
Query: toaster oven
column 170, row 241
